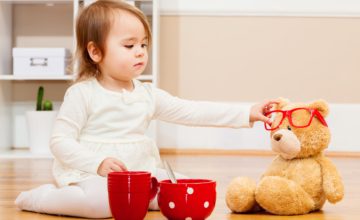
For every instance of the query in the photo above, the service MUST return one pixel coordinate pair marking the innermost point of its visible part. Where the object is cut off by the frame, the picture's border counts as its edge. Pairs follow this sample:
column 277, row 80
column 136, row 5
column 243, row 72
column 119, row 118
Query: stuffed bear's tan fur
column 300, row 179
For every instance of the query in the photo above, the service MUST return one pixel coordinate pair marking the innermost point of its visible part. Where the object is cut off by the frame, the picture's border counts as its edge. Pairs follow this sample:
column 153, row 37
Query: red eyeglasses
column 307, row 115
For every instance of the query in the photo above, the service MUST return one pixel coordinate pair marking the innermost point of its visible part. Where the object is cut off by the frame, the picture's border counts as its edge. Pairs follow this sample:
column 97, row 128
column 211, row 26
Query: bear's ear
column 321, row 106
column 282, row 102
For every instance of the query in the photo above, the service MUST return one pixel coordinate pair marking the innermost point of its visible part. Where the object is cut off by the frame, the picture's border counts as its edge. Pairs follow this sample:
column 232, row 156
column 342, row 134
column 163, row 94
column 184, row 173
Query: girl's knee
column 95, row 201
column 97, row 209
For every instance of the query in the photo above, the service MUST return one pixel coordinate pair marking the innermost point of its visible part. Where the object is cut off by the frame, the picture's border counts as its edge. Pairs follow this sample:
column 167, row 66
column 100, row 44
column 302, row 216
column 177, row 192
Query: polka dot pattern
column 174, row 200
column 171, row 205
column 190, row 190
column 206, row 204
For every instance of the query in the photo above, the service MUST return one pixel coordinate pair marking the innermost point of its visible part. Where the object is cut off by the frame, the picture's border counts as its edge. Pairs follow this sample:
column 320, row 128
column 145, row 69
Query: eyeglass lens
column 299, row 118
column 275, row 119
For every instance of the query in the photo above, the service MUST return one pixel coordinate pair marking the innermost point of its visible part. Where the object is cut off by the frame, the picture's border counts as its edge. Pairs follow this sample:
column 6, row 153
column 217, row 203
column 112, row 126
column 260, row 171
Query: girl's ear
column 94, row 52
column 282, row 102
column 321, row 106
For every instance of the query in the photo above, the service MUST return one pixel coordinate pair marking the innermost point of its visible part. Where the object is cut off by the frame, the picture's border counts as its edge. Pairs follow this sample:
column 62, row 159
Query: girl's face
column 126, row 53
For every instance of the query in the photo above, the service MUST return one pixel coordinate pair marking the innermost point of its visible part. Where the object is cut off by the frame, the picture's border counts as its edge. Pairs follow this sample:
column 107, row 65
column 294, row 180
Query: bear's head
column 299, row 130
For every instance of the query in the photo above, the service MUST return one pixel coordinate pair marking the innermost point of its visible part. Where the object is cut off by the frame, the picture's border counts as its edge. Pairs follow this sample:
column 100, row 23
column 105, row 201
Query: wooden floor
column 17, row 175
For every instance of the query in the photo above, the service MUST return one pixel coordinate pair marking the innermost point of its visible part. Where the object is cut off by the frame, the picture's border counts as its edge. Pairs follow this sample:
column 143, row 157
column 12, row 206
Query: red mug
column 130, row 194
column 187, row 199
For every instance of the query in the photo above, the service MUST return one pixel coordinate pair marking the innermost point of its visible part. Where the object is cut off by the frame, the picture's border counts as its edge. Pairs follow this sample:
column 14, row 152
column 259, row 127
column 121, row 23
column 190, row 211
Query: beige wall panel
column 170, row 54
column 38, row 25
column 248, row 59
column 27, row 90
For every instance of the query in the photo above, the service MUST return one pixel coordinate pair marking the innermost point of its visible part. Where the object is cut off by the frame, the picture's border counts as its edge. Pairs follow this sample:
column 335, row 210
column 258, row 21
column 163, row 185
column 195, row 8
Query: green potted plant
column 40, row 124
column 40, row 105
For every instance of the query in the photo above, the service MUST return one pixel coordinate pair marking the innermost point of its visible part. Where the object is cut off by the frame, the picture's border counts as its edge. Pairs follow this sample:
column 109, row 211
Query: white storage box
column 40, row 61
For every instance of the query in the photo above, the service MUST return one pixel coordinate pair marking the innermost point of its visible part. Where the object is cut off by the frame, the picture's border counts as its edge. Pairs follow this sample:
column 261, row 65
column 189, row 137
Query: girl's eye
column 129, row 46
column 144, row 45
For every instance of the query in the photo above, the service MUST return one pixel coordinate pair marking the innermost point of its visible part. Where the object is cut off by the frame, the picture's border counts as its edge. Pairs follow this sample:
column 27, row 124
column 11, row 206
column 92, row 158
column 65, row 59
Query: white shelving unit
column 32, row 77
column 65, row 77
column 45, row 23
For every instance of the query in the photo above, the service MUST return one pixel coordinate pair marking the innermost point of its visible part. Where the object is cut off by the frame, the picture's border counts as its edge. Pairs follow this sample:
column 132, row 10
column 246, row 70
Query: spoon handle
column 170, row 172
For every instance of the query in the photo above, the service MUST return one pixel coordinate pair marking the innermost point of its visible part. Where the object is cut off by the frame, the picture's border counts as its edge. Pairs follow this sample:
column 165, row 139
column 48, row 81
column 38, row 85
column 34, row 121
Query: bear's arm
column 332, row 183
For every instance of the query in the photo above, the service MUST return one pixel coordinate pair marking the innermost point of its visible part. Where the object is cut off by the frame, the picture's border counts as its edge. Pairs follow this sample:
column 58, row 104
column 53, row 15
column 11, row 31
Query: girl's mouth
column 139, row 64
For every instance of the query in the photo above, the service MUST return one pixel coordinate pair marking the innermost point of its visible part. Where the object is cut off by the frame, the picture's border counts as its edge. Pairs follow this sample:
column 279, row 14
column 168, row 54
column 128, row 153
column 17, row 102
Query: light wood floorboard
column 17, row 175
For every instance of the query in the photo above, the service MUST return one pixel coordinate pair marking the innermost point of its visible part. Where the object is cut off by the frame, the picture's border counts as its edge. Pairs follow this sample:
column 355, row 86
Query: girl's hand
column 110, row 165
column 258, row 111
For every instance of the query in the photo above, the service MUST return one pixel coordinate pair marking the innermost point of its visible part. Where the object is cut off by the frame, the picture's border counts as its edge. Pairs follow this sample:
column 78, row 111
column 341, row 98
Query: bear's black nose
column 277, row 137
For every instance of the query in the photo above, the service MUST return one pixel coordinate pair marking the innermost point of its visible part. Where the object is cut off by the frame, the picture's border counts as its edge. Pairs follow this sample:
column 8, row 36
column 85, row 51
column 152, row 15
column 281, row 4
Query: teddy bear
column 300, row 178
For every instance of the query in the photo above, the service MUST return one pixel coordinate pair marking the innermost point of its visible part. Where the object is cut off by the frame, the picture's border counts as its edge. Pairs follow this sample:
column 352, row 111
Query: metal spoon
column 169, row 171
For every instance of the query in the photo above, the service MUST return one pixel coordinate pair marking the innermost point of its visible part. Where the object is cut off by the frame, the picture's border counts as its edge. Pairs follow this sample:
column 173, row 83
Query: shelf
column 37, row 1
column 49, row 77
column 22, row 154
column 23, row 77
column 50, row 2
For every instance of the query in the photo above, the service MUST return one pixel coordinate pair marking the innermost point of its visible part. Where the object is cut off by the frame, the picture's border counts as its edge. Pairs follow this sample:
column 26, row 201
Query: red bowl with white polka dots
column 189, row 199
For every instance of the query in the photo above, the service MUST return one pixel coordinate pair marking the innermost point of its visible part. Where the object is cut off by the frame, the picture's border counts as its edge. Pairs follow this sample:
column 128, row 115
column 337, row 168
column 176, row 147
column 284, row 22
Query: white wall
column 343, row 121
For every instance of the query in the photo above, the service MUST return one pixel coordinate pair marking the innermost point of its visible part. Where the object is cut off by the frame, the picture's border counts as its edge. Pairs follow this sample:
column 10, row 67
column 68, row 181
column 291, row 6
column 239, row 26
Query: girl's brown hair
column 93, row 24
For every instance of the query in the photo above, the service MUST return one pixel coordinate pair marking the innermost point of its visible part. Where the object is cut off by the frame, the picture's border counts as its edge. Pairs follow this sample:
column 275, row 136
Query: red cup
column 187, row 199
column 130, row 194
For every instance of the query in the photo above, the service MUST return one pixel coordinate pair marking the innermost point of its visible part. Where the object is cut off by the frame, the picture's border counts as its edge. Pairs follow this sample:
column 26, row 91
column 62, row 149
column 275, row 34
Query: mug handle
column 154, row 188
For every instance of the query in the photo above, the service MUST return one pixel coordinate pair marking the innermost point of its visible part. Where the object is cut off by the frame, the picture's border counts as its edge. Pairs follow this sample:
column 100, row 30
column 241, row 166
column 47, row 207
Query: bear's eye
column 289, row 128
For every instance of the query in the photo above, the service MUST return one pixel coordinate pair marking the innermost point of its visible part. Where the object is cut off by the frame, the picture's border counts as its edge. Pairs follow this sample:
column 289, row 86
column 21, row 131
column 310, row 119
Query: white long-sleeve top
column 94, row 123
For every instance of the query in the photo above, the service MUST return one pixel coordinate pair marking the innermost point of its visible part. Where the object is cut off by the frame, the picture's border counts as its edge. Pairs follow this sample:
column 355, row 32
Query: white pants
column 88, row 199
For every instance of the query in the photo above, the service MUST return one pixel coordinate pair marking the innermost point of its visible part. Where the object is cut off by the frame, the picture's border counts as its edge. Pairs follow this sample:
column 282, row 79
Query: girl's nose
column 140, row 52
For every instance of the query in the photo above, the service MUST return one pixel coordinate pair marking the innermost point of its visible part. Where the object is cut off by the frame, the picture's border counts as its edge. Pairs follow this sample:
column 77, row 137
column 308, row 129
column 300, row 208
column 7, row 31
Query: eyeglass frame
column 287, row 114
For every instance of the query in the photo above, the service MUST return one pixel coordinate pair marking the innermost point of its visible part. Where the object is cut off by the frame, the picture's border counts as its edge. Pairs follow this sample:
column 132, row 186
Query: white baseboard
column 343, row 120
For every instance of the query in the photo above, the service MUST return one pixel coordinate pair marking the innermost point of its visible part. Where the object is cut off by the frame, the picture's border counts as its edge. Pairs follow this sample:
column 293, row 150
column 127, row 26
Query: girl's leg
column 162, row 175
column 87, row 199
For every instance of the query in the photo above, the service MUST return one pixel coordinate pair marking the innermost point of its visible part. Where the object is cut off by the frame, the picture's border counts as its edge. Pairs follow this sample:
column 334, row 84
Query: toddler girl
column 101, row 123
